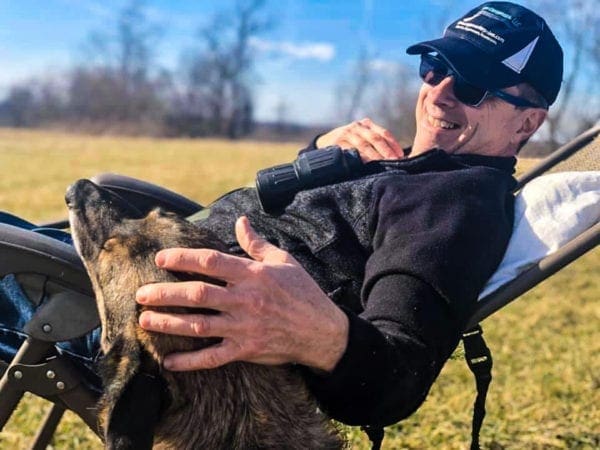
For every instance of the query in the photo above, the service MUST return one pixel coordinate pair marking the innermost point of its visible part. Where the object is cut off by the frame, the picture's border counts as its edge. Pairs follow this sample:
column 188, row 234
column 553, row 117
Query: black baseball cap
column 501, row 44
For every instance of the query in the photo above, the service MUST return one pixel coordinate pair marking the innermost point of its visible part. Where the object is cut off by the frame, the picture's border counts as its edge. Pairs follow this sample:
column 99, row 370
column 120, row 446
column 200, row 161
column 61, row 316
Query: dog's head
column 117, row 244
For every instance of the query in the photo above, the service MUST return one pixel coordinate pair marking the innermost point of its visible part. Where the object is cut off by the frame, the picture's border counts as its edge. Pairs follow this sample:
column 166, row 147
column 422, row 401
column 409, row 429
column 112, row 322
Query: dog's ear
column 134, row 416
column 133, row 398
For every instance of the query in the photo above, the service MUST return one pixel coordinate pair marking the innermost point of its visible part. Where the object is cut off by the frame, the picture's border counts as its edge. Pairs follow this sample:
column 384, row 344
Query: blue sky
column 300, row 61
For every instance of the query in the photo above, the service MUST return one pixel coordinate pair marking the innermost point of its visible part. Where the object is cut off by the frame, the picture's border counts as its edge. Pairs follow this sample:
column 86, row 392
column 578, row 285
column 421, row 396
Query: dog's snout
column 70, row 196
column 79, row 191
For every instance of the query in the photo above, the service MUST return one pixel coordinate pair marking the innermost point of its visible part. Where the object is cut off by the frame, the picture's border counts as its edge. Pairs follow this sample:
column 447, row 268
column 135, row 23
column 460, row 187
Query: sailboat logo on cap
column 518, row 61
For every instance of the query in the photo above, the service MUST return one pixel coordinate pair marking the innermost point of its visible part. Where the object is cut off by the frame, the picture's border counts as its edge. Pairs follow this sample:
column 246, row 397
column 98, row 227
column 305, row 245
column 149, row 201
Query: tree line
column 119, row 87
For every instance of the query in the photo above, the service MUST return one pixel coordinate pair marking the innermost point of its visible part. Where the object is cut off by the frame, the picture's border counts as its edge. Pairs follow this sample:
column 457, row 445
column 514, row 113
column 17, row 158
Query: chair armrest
column 24, row 251
column 46, row 267
column 546, row 267
column 147, row 196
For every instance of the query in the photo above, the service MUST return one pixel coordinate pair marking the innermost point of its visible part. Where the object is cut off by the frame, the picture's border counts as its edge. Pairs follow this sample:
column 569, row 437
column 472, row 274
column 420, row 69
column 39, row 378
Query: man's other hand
column 372, row 141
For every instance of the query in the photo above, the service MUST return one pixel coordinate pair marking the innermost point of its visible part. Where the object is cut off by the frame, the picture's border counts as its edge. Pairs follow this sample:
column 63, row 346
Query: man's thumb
column 257, row 247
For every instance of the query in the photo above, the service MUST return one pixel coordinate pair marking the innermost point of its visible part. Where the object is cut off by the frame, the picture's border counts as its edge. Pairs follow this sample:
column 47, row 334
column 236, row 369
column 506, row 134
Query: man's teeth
column 439, row 123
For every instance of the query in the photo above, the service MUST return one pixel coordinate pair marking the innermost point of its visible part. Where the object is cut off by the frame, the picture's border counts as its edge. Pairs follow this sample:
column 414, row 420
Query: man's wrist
column 327, row 356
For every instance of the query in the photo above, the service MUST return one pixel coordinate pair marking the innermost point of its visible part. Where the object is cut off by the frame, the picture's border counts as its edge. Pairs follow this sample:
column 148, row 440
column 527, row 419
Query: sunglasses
column 433, row 70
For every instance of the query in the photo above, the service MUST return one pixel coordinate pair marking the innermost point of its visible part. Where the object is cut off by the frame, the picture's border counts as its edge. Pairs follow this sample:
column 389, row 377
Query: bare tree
column 118, row 80
column 219, row 74
column 386, row 91
column 282, row 121
column 34, row 102
column 577, row 24
column 19, row 109
column 351, row 91
column 394, row 103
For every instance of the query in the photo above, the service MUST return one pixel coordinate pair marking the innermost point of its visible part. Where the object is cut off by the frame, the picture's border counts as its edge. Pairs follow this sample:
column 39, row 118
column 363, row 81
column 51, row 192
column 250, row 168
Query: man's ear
column 530, row 120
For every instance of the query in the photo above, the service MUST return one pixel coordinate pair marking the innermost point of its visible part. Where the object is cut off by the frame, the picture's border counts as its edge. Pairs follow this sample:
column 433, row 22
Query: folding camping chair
column 47, row 268
column 580, row 155
column 44, row 266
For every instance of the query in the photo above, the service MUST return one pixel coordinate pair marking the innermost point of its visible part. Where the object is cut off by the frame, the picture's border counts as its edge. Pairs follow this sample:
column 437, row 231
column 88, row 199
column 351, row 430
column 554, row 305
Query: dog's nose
column 78, row 191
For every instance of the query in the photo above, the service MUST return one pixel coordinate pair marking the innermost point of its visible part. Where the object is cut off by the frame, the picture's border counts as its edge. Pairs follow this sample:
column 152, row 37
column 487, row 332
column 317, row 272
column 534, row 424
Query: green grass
column 546, row 346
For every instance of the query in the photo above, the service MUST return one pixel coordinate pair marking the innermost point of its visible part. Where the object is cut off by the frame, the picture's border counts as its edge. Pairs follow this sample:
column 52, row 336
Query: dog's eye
column 109, row 244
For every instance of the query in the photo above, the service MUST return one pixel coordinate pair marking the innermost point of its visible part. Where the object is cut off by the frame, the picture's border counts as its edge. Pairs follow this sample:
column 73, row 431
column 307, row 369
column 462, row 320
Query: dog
column 238, row 406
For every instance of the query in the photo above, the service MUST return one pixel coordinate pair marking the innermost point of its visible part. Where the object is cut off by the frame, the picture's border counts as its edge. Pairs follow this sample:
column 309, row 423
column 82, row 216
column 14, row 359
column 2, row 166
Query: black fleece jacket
column 405, row 253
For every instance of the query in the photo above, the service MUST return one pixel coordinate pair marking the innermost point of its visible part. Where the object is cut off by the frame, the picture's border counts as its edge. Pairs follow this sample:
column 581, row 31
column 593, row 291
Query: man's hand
column 372, row 141
column 271, row 310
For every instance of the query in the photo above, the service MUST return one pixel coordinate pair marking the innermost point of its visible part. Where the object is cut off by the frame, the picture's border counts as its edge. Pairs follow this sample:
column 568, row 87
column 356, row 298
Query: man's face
column 443, row 122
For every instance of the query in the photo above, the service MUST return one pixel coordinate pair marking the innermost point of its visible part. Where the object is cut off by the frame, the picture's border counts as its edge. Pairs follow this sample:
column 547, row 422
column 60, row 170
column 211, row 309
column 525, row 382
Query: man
column 386, row 268
column 377, row 295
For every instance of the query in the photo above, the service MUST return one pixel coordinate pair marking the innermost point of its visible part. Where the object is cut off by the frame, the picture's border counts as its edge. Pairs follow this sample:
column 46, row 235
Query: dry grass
column 546, row 388
column 37, row 166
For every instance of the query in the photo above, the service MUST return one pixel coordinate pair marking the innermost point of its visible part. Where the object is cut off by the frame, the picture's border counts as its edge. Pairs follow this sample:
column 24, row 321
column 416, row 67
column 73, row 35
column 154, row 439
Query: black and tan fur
column 238, row 406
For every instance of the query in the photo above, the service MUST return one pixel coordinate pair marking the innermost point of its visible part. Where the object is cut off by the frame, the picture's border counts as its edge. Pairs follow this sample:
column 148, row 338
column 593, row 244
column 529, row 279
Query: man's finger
column 362, row 142
column 195, row 294
column 391, row 141
column 208, row 358
column 192, row 325
column 379, row 138
column 258, row 248
column 204, row 261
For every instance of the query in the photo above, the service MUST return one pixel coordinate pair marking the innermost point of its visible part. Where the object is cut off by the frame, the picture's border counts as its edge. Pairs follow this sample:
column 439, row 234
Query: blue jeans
column 16, row 310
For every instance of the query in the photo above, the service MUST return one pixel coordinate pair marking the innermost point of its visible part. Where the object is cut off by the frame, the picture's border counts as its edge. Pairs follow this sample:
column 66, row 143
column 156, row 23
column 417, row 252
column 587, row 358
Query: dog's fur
column 238, row 406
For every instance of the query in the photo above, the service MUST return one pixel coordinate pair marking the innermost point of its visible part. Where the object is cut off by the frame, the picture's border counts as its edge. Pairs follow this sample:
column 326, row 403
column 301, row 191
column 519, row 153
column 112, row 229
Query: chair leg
column 47, row 427
column 30, row 352
column 83, row 402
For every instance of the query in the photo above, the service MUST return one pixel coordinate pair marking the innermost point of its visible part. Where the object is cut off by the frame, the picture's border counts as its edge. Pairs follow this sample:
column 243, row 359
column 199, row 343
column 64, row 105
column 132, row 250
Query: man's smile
column 441, row 123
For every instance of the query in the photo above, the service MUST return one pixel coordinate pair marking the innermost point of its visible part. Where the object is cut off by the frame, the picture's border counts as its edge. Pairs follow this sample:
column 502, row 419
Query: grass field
column 546, row 346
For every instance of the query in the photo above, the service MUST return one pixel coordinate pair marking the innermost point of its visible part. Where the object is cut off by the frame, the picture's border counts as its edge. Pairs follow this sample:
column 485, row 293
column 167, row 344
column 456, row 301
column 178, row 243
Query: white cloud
column 384, row 66
column 306, row 50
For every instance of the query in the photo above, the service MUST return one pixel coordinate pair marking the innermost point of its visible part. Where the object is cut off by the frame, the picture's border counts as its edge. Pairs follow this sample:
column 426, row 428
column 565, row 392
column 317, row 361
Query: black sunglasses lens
column 432, row 71
column 467, row 93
